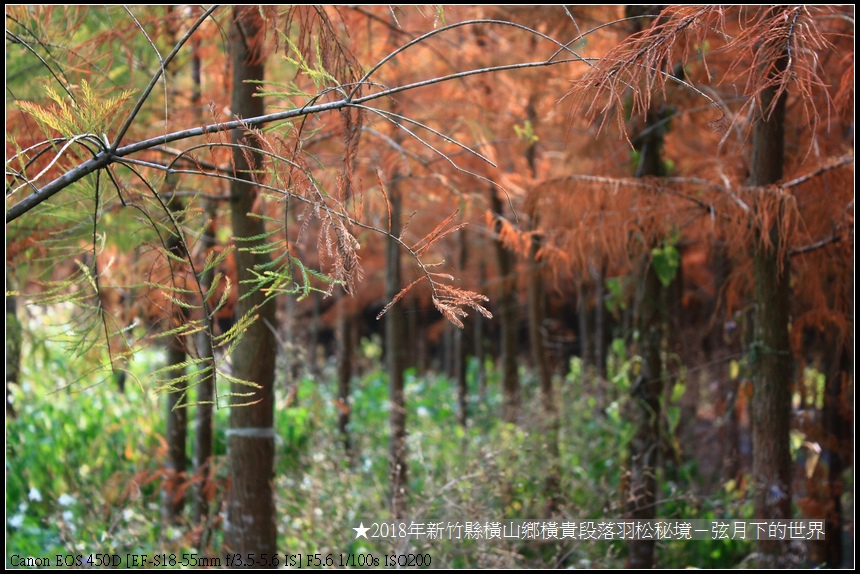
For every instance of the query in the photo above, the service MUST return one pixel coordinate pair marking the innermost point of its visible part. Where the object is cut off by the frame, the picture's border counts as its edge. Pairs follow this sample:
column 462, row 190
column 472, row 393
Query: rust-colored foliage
column 321, row 172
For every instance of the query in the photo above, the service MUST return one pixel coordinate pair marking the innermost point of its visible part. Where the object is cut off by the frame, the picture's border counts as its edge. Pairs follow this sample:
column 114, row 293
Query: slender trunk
column 840, row 447
column 645, row 443
column 672, row 297
column 176, row 416
column 173, row 492
column 716, row 348
column 344, row 374
column 205, row 389
column 445, row 355
column 204, row 430
column 508, row 319
column 536, row 339
column 549, row 420
column 586, row 324
column 826, row 488
column 251, row 527
column 459, row 348
column 412, row 350
column 315, row 339
column 536, row 301
column 600, row 340
column 647, row 390
column 394, row 352
column 770, row 351
column 173, row 497
column 481, row 373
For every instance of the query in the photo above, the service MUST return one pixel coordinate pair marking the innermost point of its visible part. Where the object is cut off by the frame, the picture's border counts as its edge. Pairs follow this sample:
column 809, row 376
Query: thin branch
column 837, row 163
column 161, row 61
column 130, row 119
column 423, row 142
column 423, row 37
column 44, row 63
column 814, row 246
column 107, row 157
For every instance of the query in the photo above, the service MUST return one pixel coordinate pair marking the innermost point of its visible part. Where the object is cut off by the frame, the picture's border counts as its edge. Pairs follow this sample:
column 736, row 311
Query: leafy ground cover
column 84, row 469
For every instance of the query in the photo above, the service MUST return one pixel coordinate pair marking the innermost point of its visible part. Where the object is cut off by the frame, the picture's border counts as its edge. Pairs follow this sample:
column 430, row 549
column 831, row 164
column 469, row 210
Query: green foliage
column 90, row 113
column 83, row 468
column 811, row 391
column 526, row 133
column 616, row 302
column 80, row 467
column 666, row 261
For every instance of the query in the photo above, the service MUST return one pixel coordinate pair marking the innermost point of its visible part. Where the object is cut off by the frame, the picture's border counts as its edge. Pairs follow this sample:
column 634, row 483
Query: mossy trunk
column 647, row 390
column 645, row 395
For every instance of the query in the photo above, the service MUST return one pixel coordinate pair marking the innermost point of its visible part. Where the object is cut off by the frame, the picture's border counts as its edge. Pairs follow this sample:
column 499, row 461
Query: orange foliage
column 562, row 172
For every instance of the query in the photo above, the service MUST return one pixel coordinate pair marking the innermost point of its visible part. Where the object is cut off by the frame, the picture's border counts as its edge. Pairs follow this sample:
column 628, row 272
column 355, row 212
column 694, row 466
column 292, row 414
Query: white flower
column 66, row 500
column 16, row 521
column 35, row 495
column 68, row 515
column 423, row 411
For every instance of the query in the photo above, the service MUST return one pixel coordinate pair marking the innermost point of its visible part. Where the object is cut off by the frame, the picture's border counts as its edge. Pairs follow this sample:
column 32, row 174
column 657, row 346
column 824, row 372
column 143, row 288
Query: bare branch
column 833, row 165
column 814, row 246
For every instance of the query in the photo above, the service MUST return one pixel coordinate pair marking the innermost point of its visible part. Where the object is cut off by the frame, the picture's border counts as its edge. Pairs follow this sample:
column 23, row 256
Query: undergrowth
column 84, row 469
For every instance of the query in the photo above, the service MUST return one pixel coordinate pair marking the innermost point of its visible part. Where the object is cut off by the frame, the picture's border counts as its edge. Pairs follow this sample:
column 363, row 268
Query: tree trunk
column 586, row 328
column 204, row 428
column 344, row 374
column 251, row 527
column 173, row 497
column 645, row 443
column 459, row 348
column 315, row 338
column 508, row 307
column 481, row 373
column 395, row 357
column 549, row 420
column 601, row 341
column 770, row 352
column 173, row 493
column 827, row 487
column 647, row 390
column 205, row 390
